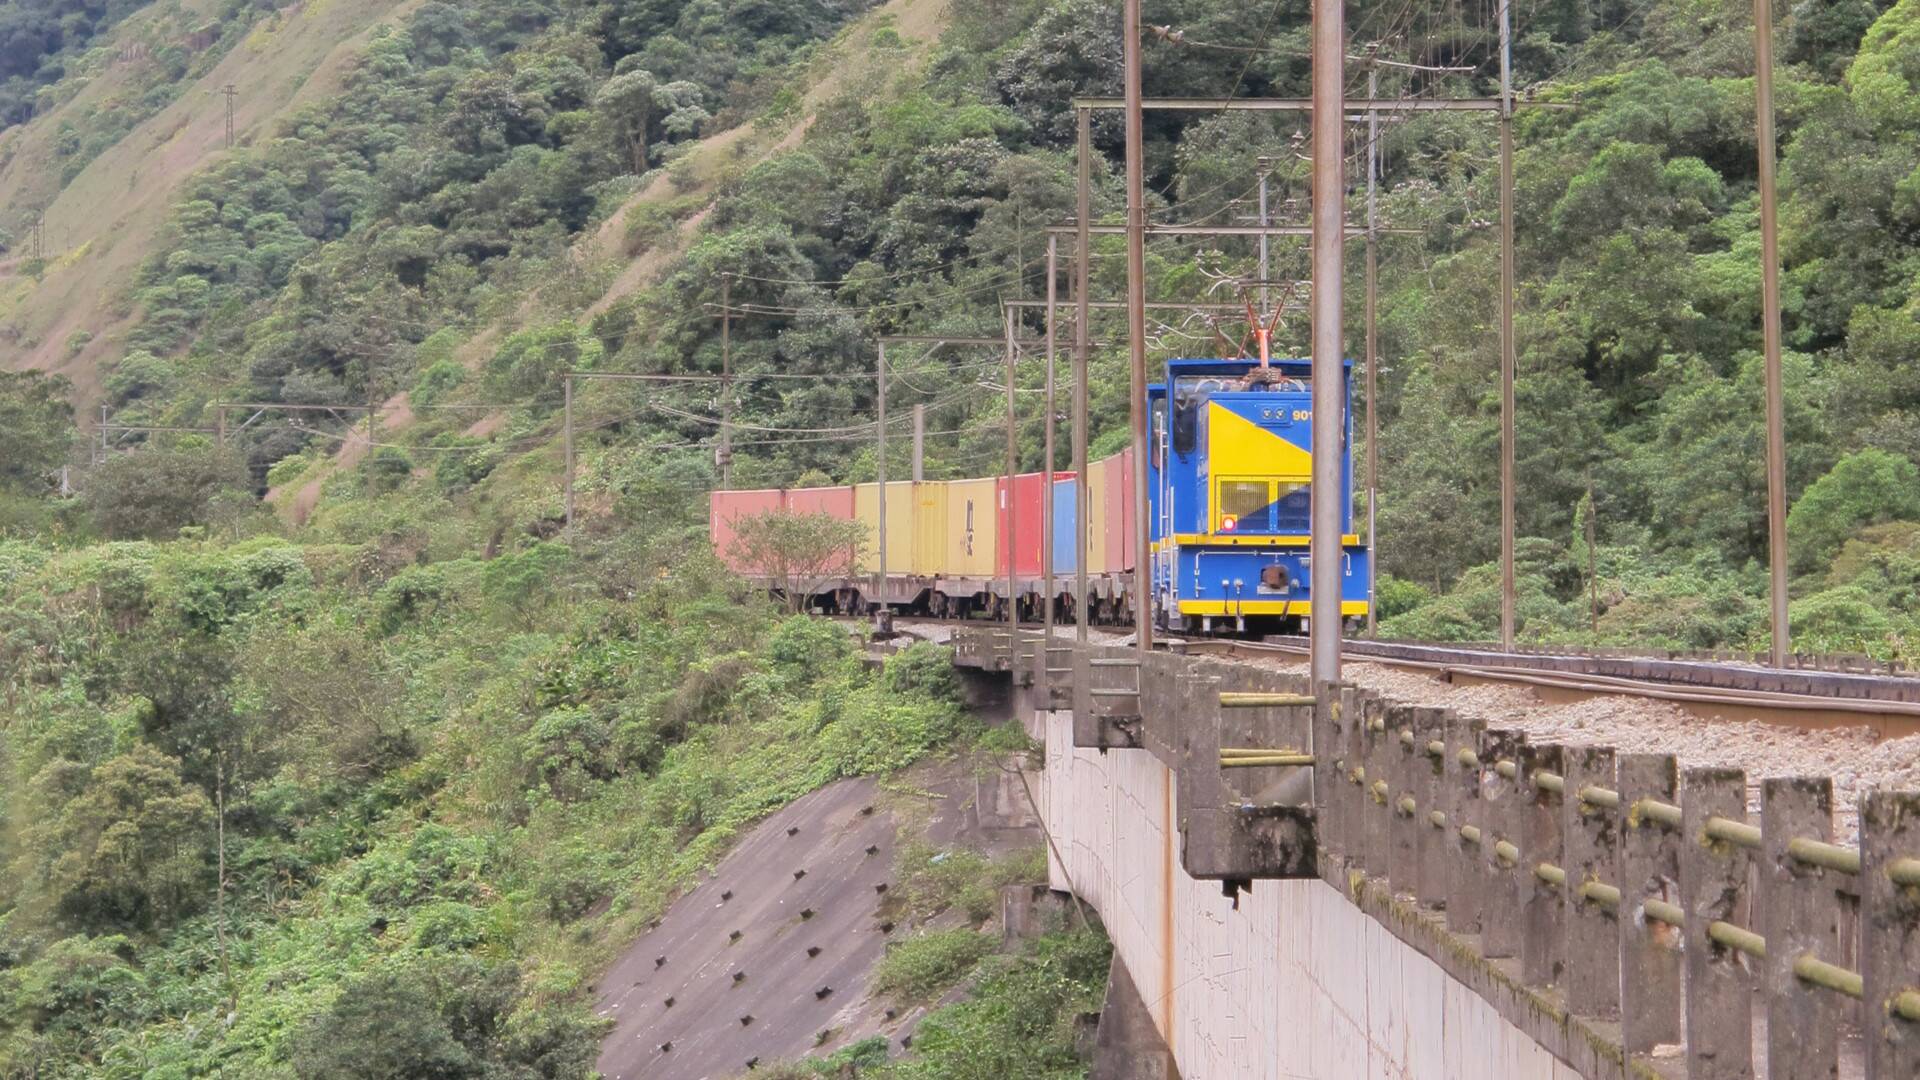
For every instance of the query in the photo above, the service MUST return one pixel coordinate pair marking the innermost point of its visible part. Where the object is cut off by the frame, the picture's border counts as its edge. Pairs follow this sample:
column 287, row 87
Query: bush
column 925, row 669
column 1864, row 488
column 451, row 1019
column 440, row 379
column 154, row 493
column 924, row 966
column 933, row 881
column 803, row 648
column 1022, row 1019
column 1839, row 620
column 388, row 468
column 1393, row 596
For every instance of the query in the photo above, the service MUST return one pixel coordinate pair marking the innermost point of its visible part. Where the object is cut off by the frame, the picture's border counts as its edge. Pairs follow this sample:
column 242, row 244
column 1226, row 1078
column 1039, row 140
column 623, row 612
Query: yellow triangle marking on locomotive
column 1237, row 446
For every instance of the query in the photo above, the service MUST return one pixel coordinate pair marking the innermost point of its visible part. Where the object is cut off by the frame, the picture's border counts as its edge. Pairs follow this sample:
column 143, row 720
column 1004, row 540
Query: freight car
column 1228, row 481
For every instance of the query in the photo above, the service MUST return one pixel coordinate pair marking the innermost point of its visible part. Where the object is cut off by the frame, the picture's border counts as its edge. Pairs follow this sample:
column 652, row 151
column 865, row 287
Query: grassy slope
column 108, row 219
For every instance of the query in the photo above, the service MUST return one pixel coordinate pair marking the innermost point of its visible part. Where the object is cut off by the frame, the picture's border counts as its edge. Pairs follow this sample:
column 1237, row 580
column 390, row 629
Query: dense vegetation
column 329, row 810
column 358, row 254
column 268, row 785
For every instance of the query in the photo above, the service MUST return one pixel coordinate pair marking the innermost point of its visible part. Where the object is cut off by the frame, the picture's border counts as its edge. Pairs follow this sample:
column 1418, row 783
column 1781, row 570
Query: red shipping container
column 1029, row 504
column 832, row 501
column 1116, row 517
column 835, row 502
column 725, row 508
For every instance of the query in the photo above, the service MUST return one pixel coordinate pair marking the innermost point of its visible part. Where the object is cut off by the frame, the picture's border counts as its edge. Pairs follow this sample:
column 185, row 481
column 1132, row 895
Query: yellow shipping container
column 929, row 527
column 866, row 510
column 1097, row 492
column 972, row 532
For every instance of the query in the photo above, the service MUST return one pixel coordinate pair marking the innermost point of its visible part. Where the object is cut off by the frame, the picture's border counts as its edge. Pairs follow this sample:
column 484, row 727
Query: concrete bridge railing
column 1628, row 916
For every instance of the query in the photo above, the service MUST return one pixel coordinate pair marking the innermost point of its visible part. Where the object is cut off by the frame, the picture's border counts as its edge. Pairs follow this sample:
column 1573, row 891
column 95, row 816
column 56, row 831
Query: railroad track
column 1806, row 697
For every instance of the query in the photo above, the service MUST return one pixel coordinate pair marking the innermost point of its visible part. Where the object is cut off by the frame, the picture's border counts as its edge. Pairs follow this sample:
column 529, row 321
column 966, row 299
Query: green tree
column 797, row 553
column 153, row 493
column 1864, row 488
column 123, row 846
column 36, row 430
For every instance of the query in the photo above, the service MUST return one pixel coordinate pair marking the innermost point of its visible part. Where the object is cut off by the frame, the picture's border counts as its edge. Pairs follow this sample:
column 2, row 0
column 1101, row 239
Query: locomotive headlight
column 1228, row 523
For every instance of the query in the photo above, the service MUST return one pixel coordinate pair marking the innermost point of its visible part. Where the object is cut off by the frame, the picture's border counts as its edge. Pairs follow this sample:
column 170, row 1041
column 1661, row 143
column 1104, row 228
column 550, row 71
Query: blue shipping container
column 1065, row 524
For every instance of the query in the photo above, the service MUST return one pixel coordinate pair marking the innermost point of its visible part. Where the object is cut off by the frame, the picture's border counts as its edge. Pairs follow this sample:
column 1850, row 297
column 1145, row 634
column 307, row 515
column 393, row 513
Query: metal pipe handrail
column 1230, row 700
column 1732, row 832
column 1646, row 810
column 1594, row 795
column 1737, row 937
column 1822, row 854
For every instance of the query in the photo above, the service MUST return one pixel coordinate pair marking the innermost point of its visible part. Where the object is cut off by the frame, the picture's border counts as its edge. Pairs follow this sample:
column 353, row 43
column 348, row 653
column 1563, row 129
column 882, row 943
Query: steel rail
column 1609, row 684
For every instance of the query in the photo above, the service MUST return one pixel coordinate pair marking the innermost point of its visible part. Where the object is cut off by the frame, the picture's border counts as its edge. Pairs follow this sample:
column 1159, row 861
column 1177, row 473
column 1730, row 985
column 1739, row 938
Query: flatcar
column 1229, row 486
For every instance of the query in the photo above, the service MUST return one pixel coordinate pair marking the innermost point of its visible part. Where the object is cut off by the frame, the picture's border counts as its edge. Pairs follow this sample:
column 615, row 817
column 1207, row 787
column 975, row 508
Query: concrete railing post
column 1082, row 683
column 1799, row 916
column 1375, row 787
column 1507, row 800
column 1197, row 744
column 1404, row 866
column 1438, row 853
column 1591, row 828
column 1543, row 955
column 1713, row 884
column 1890, row 931
column 1338, row 821
column 1467, row 900
column 1650, row 956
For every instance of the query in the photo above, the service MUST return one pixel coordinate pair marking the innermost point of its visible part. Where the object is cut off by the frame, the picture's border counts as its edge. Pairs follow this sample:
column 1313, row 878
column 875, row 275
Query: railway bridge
column 1322, row 882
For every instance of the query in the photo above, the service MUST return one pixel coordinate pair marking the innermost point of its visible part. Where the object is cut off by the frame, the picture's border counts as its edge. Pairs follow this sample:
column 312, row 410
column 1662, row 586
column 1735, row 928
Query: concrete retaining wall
column 1292, row 981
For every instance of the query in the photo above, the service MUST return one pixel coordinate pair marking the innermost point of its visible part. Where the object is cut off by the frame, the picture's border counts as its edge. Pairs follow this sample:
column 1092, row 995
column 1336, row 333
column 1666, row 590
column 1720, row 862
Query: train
column 1228, row 476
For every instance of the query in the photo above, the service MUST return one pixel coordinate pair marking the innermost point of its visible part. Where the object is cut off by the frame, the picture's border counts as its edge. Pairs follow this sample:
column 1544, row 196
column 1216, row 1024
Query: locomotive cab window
column 1186, row 421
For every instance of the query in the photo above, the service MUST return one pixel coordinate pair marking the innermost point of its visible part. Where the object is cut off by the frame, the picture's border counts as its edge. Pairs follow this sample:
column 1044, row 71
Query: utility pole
column 1137, row 314
column 726, row 381
column 1266, row 170
column 566, row 385
column 230, row 91
column 1329, row 352
column 1010, row 512
column 1083, row 255
column 880, row 491
column 1780, row 643
column 919, row 443
column 1508, row 360
column 1046, row 468
column 1593, row 563
column 1372, row 342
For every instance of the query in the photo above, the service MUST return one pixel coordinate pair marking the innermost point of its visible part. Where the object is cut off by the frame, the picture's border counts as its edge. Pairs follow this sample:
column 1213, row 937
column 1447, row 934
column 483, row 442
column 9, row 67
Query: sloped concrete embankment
column 770, row 958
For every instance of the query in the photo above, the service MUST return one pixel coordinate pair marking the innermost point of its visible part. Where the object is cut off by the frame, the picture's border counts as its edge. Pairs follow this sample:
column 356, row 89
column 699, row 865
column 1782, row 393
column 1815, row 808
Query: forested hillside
column 446, row 761
column 468, row 216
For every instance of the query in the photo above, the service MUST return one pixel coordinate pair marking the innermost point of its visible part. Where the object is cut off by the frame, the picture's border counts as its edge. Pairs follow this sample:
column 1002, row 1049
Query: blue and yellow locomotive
column 1229, row 494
